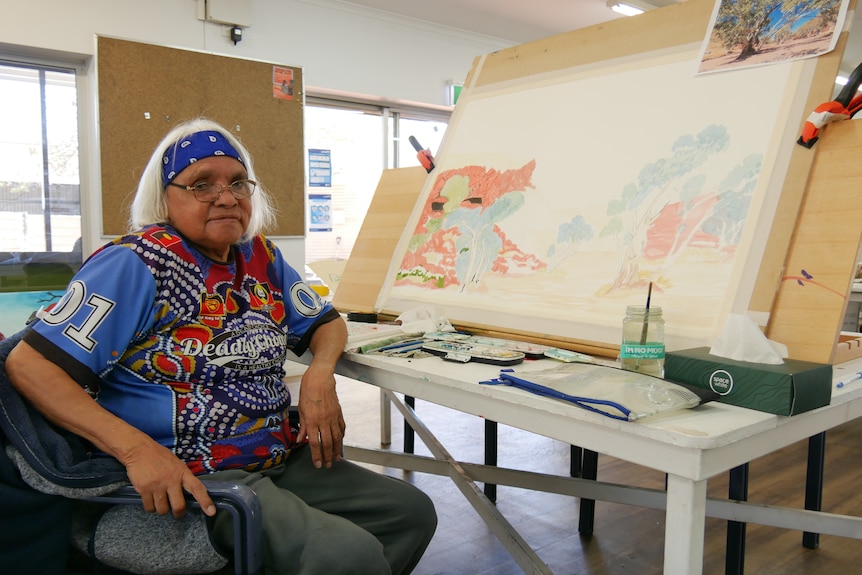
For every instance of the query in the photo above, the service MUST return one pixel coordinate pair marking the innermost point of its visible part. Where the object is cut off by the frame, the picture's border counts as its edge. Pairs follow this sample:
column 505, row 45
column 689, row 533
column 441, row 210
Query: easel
column 808, row 322
column 684, row 24
column 816, row 221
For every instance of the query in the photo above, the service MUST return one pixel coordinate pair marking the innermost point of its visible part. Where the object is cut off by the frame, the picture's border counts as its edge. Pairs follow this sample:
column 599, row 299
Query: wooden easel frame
column 652, row 31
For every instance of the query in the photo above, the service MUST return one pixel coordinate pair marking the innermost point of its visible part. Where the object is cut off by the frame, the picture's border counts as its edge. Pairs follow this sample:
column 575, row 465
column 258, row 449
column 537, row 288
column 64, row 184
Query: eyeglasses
column 210, row 192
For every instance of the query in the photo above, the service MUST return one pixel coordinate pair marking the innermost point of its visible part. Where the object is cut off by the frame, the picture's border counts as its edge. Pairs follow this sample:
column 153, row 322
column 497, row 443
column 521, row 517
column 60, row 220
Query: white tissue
column 423, row 319
column 740, row 339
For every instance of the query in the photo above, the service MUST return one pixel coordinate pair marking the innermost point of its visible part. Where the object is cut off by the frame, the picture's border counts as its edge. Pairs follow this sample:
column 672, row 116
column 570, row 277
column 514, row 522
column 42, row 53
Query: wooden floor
column 627, row 540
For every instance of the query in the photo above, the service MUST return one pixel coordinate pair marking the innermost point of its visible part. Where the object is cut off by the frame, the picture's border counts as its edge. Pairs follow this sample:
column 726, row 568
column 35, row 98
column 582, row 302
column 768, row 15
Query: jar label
column 642, row 350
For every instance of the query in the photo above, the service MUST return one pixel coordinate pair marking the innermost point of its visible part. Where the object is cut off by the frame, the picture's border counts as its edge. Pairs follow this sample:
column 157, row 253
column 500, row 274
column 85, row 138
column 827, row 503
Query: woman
column 167, row 351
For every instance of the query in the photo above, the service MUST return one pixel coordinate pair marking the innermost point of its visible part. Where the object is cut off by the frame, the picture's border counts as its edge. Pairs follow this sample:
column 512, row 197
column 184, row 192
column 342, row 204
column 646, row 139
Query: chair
column 52, row 462
column 238, row 500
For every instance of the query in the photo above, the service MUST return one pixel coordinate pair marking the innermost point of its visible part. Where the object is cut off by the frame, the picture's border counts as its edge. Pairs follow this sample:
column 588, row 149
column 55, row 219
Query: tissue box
column 786, row 389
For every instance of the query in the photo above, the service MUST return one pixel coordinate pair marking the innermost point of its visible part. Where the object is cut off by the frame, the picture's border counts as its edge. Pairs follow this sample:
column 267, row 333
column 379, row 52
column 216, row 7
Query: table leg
column 735, row 551
column 685, row 521
column 587, row 514
column 385, row 419
column 576, row 455
column 524, row 555
column 409, row 436
column 490, row 489
column 814, row 483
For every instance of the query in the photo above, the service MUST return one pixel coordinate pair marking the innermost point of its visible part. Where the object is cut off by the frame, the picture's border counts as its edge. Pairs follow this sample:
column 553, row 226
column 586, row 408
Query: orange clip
column 426, row 159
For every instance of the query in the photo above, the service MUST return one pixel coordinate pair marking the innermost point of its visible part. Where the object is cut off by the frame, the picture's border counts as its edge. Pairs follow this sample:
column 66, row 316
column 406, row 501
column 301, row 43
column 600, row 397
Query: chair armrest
column 237, row 499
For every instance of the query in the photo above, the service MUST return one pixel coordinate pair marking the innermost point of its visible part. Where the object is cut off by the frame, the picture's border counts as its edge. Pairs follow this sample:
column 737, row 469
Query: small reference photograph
column 745, row 33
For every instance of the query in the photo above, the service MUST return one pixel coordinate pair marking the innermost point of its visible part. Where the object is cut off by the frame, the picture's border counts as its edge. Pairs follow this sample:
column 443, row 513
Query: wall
column 341, row 47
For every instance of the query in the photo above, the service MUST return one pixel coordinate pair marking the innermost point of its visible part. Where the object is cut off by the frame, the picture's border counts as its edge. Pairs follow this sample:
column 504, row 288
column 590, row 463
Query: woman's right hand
column 158, row 475
column 162, row 479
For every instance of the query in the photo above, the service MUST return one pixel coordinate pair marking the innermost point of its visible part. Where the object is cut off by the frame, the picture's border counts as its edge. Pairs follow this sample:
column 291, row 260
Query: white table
column 690, row 446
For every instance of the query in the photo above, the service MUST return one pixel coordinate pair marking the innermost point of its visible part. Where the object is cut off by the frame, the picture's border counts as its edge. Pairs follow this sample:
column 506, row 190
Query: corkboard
column 144, row 90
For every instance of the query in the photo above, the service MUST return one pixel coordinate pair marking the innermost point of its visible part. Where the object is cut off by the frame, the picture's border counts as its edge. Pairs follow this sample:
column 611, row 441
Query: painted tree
column 744, row 25
column 718, row 218
column 479, row 242
column 659, row 183
column 458, row 239
column 569, row 235
column 727, row 218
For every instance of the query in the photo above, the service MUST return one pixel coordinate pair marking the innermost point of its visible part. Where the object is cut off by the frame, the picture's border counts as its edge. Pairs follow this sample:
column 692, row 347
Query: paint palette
column 464, row 352
column 567, row 356
column 531, row 350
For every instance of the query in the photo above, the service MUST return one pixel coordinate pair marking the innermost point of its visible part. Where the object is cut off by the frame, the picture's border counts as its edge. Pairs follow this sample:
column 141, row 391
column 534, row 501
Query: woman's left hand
column 320, row 417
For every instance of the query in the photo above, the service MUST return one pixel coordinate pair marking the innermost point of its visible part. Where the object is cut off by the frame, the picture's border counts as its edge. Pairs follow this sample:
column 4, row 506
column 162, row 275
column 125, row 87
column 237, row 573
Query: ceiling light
column 629, row 7
column 625, row 9
column 843, row 80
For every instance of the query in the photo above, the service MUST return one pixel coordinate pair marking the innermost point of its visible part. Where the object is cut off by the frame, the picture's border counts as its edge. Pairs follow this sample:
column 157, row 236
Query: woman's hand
column 162, row 480
column 158, row 475
column 320, row 417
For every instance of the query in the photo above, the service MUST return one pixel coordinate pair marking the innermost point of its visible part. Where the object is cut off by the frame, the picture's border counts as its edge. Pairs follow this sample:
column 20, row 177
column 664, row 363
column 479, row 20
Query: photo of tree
column 748, row 33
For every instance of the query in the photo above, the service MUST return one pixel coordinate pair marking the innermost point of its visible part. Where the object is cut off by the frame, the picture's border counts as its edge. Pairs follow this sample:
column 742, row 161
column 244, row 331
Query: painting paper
column 557, row 200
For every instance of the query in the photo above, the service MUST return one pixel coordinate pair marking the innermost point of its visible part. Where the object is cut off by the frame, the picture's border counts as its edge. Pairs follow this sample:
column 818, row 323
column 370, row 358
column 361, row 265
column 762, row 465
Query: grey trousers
column 343, row 520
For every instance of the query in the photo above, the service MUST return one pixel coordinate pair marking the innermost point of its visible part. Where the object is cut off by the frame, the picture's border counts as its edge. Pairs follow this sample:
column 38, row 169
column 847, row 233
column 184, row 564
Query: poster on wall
column 320, row 207
column 319, row 168
column 282, row 83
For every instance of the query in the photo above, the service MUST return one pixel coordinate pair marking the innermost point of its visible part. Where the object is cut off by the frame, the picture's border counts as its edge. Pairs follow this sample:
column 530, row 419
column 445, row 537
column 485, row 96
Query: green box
column 785, row 389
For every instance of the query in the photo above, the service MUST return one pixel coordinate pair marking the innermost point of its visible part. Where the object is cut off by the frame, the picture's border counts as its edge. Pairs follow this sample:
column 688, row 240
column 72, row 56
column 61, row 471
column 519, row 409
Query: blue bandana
column 192, row 148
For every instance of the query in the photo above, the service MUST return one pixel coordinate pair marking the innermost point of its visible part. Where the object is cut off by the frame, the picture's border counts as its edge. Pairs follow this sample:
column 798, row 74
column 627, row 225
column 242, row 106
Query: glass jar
column 642, row 347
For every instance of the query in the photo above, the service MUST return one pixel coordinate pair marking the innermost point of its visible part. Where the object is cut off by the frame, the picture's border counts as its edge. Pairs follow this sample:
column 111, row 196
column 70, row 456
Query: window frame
column 391, row 113
column 78, row 65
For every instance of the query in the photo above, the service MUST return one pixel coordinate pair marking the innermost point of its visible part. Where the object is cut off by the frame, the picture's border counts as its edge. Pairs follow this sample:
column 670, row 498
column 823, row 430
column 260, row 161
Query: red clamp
column 423, row 155
column 843, row 107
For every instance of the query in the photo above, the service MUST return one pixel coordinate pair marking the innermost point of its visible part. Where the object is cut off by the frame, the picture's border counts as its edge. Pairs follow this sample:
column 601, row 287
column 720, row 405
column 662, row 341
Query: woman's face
column 212, row 226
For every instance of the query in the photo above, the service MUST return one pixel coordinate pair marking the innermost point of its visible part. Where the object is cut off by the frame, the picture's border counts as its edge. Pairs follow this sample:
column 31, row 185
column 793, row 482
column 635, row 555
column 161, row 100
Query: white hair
column 149, row 206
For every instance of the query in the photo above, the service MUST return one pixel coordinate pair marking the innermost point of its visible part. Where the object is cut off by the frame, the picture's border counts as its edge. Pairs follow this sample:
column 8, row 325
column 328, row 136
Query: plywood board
column 365, row 270
column 678, row 24
column 793, row 190
column 821, row 260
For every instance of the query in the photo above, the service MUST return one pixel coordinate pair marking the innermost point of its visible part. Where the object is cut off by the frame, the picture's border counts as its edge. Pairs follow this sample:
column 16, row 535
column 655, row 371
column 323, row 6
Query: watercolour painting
column 558, row 199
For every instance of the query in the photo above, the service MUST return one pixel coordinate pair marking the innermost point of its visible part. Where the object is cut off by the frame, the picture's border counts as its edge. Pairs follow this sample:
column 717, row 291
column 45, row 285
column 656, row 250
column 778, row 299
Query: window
column 361, row 140
column 40, row 202
column 354, row 139
column 428, row 133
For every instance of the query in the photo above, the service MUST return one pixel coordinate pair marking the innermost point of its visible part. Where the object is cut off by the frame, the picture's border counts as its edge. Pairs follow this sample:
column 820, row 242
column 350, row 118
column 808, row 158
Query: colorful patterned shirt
column 186, row 349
